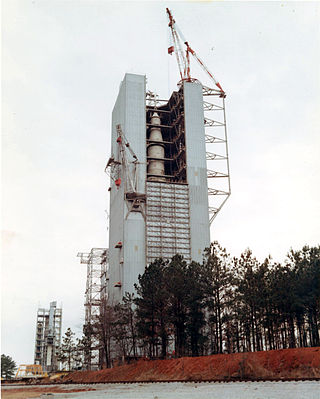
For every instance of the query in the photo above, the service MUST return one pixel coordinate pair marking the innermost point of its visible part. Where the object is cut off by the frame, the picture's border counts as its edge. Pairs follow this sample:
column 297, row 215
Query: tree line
column 223, row 305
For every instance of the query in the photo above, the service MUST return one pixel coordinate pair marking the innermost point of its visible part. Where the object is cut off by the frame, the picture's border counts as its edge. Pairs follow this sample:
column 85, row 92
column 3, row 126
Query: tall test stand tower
column 169, row 170
column 169, row 178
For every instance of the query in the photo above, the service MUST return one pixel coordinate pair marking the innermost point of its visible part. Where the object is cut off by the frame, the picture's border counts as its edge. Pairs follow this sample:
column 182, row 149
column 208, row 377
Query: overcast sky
column 63, row 62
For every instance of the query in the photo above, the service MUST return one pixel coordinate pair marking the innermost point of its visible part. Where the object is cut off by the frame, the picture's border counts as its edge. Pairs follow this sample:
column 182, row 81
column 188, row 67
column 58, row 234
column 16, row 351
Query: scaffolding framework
column 95, row 295
column 173, row 129
column 48, row 337
column 218, row 171
column 167, row 221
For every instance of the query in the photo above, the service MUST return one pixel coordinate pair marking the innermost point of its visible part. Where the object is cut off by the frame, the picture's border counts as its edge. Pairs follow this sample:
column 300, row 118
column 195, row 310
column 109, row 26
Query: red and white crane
column 183, row 59
column 219, row 188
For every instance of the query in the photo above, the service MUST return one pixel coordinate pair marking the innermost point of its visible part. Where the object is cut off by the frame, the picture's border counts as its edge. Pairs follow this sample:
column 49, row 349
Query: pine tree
column 8, row 367
column 306, row 266
column 178, row 287
column 218, row 291
column 104, row 330
column 195, row 300
column 68, row 349
column 86, row 345
column 152, row 307
column 130, row 319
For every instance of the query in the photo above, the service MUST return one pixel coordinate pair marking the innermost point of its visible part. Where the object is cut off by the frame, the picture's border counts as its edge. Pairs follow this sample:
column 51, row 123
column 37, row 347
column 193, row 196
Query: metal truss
column 217, row 156
column 125, row 165
column 48, row 337
column 168, row 221
column 95, row 295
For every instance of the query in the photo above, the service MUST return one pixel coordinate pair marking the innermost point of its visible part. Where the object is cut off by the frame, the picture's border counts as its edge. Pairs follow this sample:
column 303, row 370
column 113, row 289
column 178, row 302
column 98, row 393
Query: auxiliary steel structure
column 95, row 295
column 48, row 337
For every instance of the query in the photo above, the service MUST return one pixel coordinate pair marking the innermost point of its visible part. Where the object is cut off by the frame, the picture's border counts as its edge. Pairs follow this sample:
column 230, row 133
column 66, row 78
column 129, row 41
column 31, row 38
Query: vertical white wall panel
column 196, row 169
column 129, row 111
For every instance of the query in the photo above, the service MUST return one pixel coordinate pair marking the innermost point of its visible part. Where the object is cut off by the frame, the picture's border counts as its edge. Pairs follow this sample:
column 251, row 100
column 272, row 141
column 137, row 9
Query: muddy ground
column 26, row 392
column 178, row 390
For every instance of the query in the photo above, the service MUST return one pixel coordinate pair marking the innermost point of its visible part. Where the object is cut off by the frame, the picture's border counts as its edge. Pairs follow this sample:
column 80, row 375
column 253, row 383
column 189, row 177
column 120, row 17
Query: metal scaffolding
column 48, row 337
column 167, row 221
column 95, row 295
column 167, row 203
column 173, row 128
column 217, row 155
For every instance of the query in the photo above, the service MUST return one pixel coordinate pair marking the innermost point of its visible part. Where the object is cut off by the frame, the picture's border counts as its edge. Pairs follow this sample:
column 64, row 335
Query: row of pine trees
column 223, row 305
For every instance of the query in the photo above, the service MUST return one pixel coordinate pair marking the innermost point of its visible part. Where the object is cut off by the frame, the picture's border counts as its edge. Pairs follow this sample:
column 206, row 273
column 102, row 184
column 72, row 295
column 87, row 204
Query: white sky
column 62, row 65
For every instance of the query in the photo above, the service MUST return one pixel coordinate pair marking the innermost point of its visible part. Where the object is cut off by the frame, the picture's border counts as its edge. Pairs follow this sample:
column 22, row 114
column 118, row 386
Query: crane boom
column 176, row 48
column 189, row 50
column 183, row 60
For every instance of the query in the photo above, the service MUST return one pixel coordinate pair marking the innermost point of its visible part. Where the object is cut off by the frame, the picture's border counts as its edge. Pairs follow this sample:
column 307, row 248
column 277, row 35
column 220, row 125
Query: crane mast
column 177, row 48
column 183, row 60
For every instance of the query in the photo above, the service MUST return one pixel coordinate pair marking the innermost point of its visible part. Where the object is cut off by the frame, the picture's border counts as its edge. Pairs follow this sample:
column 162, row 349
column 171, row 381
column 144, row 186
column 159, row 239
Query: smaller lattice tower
column 48, row 337
column 95, row 297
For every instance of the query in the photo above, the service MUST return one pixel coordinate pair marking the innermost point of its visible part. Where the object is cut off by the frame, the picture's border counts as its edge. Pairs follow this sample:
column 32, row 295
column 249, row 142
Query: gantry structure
column 95, row 298
column 48, row 337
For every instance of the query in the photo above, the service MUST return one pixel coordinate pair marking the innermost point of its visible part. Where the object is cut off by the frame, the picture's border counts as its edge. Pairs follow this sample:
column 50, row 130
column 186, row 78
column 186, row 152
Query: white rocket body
column 156, row 166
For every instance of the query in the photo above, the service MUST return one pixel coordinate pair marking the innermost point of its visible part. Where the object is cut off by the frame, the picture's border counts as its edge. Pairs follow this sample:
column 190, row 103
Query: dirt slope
column 300, row 362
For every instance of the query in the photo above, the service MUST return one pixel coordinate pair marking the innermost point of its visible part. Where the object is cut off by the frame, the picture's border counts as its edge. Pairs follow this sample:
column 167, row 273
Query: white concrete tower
column 167, row 211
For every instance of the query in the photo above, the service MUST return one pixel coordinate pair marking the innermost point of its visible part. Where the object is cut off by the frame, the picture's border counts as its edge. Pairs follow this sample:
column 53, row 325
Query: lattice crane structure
column 95, row 298
column 122, row 169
